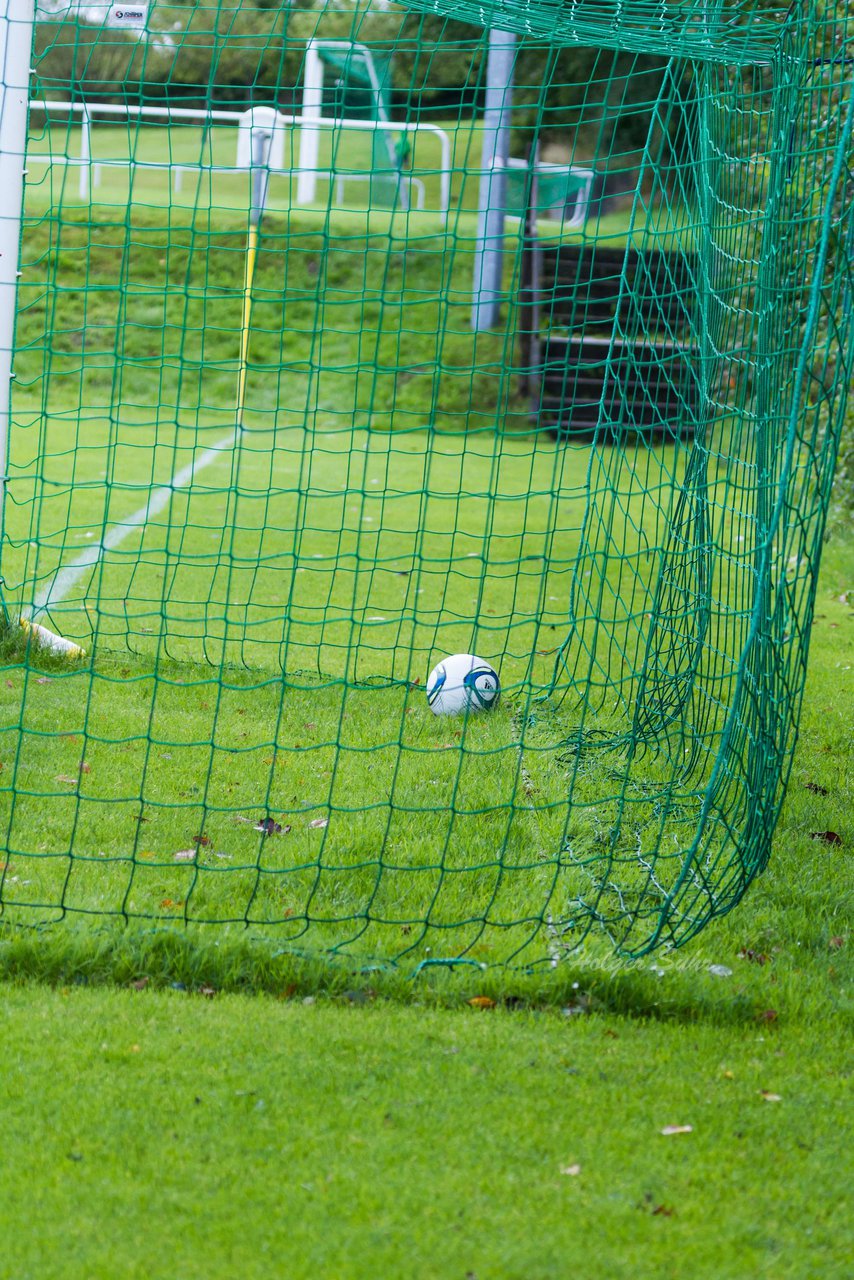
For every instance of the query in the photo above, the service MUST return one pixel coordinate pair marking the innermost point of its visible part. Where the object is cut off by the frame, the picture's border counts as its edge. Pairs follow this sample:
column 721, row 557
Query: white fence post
column 83, row 183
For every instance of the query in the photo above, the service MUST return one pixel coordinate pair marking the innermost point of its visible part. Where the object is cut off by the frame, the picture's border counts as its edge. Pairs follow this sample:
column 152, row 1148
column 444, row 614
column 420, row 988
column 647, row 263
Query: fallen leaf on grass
column 184, row 855
column 209, row 992
column 319, row 822
column 570, row 1170
column 836, row 943
column 670, row 1129
column 756, row 957
column 202, row 840
column 816, row 789
column 85, row 767
column 575, row 1010
column 482, row 1002
column 662, row 1211
column 767, row 1015
column 769, row 1097
column 66, row 777
column 140, row 984
column 269, row 827
column 827, row 837
column 169, row 904
column 43, row 680
column 360, row 996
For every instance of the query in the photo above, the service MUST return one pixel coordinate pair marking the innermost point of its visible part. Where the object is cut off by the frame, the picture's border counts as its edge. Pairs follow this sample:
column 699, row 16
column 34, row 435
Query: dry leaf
column 756, row 957
column 770, row 1097
column 816, row 789
column 663, row 1211
column 319, row 822
column 202, row 840
column 482, row 1002
column 210, row 992
column 360, row 995
column 827, row 837
column 767, row 1015
column 269, row 827
column 836, row 943
column 184, row 855
column 670, row 1129
column 43, row 680
column 66, row 777
column 570, row 1170
column 140, row 984
column 85, row 767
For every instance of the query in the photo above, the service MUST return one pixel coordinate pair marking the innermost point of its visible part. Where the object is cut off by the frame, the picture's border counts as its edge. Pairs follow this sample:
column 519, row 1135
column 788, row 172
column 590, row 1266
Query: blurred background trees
column 248, row 51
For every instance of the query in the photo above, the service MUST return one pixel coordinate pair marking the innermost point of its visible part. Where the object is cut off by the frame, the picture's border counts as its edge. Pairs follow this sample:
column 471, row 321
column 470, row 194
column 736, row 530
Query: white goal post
column 16, row 36
column 312, row 106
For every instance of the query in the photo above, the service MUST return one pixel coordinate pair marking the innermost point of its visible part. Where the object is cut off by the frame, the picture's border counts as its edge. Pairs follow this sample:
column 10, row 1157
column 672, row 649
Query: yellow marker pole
column 248, row 276
column 260, row 150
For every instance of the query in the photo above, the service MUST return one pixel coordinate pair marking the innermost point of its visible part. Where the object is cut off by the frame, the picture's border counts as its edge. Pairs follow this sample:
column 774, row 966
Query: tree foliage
column 248, row 51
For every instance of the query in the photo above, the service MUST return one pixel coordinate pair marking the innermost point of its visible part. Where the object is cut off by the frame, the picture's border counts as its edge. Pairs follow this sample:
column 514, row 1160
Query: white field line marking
column 66, row 578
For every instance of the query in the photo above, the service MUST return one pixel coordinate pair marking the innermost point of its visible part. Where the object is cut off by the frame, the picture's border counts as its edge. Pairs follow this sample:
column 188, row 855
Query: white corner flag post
column 16, row 42
column 497, row 116
column 309, row 134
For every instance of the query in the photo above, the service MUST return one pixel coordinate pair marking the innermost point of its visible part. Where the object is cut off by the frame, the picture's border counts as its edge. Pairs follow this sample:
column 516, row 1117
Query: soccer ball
column 462, row 683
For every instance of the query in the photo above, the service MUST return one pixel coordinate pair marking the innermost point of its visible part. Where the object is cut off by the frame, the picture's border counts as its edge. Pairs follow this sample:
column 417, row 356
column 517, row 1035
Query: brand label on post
column 128, row 15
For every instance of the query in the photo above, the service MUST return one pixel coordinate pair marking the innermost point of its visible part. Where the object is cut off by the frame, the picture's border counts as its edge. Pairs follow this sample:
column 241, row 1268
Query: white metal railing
column 87, row 110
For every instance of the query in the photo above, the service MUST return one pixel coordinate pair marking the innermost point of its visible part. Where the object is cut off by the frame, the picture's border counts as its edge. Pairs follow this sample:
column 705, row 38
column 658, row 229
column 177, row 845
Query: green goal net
column 567, row 400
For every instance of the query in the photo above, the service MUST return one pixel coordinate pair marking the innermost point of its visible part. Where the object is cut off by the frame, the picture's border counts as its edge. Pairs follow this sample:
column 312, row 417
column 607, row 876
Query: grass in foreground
column 388, row 1127
column 152, row 1135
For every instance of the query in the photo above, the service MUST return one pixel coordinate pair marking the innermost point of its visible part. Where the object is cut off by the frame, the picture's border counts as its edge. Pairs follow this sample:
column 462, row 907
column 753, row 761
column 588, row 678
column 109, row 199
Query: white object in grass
column 462, row 682
column 49, row 640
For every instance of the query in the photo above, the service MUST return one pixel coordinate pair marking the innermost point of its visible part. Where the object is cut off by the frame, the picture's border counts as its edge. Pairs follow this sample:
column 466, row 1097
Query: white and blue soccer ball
column 462, row 683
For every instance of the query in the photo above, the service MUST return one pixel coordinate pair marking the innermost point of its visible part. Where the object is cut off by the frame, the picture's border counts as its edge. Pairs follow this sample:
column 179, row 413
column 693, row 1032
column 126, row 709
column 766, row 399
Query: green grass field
column 186, row 1096
column 391, row 1128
